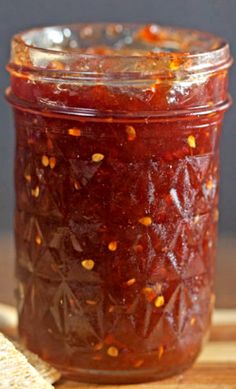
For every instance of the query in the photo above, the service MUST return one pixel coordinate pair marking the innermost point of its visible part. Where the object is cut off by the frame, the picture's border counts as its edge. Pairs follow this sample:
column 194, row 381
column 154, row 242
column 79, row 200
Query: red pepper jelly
column 116, row 175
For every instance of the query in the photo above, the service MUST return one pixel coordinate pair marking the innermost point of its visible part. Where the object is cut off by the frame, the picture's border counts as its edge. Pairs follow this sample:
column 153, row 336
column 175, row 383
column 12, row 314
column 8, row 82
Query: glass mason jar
column 116, row 175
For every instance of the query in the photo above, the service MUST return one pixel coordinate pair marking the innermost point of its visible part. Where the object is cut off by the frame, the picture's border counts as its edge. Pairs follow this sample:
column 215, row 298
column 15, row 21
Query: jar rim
column 195, row 51
column 198, row 34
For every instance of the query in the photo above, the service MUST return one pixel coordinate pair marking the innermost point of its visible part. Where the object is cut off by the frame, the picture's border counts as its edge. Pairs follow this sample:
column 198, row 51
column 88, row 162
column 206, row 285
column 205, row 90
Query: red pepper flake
column 138, row 248
column 98, row 346
column 169, row 199
column 160, row 352
column 150, row 33
column 138, row 363
column 49, row 144
column 30, row 141
column 110, row 339
column 149, row 293
column 97, row 357
column 164, row 249
column 168, row 156
column 193, row 321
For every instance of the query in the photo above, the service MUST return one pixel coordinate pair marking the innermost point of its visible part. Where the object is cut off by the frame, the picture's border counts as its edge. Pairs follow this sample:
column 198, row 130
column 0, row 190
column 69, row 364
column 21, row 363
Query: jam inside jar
column 116, row 176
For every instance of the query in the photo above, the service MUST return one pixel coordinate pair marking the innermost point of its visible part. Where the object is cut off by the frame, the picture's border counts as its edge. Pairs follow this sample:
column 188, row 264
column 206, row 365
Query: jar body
column 149, row 294
column 116, row 224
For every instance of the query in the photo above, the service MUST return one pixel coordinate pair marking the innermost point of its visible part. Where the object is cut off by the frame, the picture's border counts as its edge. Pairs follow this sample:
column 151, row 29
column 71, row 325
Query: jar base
column 120, row 377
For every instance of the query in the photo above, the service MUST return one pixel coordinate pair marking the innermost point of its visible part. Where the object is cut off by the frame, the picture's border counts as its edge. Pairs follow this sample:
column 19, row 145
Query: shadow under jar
column 116, row 175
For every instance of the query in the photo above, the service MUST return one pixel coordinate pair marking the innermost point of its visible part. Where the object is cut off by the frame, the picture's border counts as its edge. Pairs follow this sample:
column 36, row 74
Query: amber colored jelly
column 117, row 180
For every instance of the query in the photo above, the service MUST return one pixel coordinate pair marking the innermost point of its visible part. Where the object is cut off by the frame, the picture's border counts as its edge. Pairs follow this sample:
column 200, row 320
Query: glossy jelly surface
column 116, row 216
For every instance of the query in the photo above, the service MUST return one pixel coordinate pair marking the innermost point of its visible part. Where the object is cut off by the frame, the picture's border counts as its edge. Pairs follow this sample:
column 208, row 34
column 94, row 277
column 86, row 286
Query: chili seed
column 27, row 177
column 159, row 301
column 112, row 245
column 88, row 264
column 52, row 162
column 35, row 192
column 216, row 215
column 191, row 141
column 38, row 240
column 45, row 160
column 91, row 302
column 209, row 184
column 74, row 132
column 131, row 282
column 97, row 157
column 213, row 299
column 131, row 133
column 174, row 64
column 77, row 185
column 113, row 351
column 146, row 221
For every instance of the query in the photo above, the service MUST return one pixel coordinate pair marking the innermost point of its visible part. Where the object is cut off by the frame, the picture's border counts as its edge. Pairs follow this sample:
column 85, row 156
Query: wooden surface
column 225, row 275
column 214, row 369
